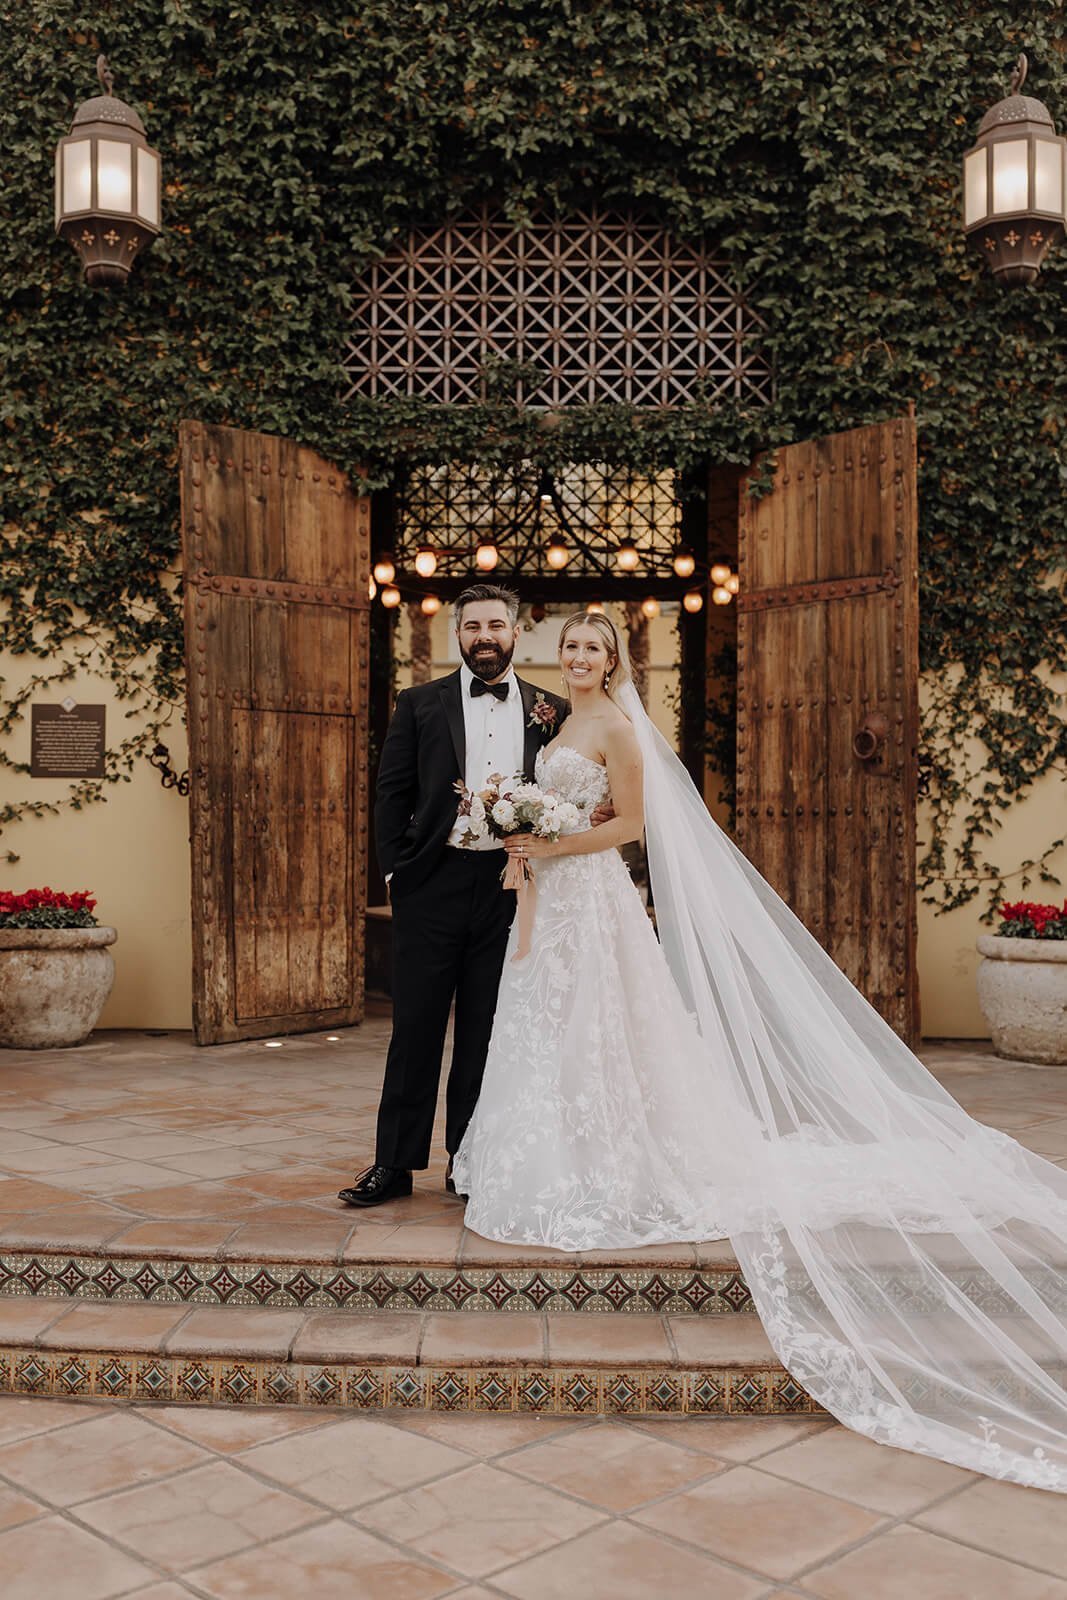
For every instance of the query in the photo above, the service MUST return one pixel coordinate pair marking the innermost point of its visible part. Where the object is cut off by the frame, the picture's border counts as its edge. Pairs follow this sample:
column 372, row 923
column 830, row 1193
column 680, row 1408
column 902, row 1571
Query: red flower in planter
column 47, row 908
column 1024, row 919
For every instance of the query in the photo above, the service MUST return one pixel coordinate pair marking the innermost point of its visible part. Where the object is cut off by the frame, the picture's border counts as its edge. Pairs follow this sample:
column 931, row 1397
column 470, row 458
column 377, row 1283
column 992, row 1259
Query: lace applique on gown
column 584, row 1136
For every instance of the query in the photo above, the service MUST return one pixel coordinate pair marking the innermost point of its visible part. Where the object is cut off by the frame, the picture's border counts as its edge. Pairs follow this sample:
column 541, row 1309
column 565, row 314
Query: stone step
column 483, row 1361
column 383, row 1269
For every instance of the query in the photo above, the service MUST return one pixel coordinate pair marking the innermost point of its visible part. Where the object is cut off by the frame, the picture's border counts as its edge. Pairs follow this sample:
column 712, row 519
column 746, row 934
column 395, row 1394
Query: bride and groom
column 722, row 1080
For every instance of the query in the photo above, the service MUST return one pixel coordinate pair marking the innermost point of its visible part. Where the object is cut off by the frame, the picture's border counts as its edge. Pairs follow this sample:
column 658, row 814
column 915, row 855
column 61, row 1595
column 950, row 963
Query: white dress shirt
column 495, row 736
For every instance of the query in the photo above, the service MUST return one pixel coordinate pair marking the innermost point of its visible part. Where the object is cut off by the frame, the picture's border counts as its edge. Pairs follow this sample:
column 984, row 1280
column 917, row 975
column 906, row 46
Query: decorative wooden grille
column 608, row 307
column 454, row 508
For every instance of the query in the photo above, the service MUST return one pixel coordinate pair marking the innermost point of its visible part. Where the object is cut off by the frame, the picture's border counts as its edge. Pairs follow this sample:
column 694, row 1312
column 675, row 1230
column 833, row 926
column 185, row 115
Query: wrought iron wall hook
column 160, row 759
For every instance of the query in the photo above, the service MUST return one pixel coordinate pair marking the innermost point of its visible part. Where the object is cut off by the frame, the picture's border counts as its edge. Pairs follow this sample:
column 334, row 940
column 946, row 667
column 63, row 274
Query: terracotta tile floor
column 147, row 1143
column 101, row 1501
column 149, row 1140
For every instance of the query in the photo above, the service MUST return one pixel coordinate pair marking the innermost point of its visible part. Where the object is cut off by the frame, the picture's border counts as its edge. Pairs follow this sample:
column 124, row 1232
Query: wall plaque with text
column 67, row 741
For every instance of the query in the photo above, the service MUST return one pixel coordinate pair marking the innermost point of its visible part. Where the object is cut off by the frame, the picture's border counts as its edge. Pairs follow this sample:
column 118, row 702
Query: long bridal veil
column 906, row 1261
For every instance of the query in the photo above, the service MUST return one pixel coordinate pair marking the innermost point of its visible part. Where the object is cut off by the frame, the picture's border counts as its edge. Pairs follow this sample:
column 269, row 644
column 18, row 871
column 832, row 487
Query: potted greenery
column 55, row 968
column 1022, row 982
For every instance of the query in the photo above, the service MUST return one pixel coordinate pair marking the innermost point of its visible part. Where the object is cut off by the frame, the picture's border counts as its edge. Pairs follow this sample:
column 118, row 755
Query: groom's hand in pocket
column 601, row 815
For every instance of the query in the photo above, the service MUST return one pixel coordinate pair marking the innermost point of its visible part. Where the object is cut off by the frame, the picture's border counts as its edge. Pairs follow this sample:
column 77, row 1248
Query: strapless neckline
column 548, row 754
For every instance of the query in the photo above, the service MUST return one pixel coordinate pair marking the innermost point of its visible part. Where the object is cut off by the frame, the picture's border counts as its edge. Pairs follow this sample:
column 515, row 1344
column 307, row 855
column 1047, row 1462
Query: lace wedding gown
column 594, row 1129
column 908, row 1263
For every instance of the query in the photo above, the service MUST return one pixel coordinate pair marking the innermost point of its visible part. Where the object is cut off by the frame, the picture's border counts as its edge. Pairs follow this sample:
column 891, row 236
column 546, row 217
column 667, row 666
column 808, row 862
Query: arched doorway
column 823, row 666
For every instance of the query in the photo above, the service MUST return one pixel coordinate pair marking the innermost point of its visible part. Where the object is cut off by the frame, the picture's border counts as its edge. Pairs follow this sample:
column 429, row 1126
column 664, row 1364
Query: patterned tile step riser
column 369, row 1288
column 616, row 1391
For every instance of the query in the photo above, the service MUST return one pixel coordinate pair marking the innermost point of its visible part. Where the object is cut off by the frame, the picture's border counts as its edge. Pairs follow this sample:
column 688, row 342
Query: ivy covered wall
column 819, row 145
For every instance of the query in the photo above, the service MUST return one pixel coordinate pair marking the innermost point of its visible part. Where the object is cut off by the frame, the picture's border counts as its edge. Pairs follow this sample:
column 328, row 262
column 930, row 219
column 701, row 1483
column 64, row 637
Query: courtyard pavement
column 148, row 1141
column 100, row 1501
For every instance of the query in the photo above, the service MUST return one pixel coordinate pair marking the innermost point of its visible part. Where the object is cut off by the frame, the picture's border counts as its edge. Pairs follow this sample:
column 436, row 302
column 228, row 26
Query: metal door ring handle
column 869, row 738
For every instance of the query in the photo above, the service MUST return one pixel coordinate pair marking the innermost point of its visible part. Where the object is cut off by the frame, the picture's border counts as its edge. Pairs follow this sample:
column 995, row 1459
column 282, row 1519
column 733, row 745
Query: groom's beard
column 487, row 661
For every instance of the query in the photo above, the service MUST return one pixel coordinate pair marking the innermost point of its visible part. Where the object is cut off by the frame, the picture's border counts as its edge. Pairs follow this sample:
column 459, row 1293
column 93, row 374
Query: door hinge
column 802, row 594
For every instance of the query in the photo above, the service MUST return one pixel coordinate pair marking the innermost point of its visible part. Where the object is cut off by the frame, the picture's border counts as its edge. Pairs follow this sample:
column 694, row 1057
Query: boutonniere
column 543, row 715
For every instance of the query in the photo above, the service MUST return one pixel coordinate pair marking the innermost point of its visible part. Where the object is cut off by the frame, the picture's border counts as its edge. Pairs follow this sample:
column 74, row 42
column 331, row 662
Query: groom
column 451, row 917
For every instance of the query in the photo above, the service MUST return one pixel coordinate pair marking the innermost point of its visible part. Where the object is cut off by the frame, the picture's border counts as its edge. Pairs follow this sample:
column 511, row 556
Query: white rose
column 504, row 814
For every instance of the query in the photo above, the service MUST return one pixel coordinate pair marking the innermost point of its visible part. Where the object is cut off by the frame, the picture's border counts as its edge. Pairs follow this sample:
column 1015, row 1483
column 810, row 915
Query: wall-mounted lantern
column 107, row 186
column 1013, row 185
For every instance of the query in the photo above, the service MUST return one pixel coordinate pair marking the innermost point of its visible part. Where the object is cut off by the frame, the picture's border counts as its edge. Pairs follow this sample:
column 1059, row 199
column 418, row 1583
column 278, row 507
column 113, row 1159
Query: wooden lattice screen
column 608, row 306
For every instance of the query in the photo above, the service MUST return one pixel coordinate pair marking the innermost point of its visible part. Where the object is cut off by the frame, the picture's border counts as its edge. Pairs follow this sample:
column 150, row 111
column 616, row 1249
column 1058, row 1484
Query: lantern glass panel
column 975, row 197
column 77, row 177
column 1048, row 176
column 1011, row 189
column 148, row 186
column 59, row 183
column 114, row 180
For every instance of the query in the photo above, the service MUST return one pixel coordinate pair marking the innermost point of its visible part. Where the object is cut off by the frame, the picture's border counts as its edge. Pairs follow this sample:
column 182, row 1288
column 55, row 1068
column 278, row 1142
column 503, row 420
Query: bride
column 726, row 1080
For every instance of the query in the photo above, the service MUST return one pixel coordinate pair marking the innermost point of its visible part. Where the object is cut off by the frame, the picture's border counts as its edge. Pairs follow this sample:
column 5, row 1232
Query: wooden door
column 827, row 721
column 277, row 559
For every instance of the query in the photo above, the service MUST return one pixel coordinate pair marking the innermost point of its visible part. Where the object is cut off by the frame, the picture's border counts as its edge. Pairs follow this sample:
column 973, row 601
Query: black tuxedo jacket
column 424, row 753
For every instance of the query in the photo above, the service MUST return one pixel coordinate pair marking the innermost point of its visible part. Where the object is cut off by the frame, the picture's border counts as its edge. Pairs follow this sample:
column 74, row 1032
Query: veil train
column 907, row 1262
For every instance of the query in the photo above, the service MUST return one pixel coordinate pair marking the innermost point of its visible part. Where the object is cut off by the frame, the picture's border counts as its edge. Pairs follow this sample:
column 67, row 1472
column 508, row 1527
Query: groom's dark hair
column 488, row 591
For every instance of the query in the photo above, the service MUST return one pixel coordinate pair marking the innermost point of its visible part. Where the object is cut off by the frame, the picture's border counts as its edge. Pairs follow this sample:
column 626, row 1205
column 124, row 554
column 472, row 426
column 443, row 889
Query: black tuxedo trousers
column 449, row 938
column 450, row 916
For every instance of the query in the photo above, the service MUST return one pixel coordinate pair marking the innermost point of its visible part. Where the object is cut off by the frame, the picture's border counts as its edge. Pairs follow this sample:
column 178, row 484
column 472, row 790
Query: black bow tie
column 500, row 690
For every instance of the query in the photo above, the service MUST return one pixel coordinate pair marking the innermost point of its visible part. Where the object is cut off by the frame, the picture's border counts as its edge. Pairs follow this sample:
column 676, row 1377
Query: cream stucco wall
column 133, row 852
column 948, row 959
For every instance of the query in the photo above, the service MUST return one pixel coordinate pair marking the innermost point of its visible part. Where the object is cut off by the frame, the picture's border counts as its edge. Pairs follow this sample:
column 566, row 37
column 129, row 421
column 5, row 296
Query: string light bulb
column 626, row 557
column 557, row 555
column 372, row 588
column 721, row 596
column 595, row 608
column 384, row 570
column 733, row 583
column 685, row 563
column 486, row 556
column 390, row 597
column 425, row 561
column 719, row 573
column 693, row 601
column 650, row 608
column 431, row 605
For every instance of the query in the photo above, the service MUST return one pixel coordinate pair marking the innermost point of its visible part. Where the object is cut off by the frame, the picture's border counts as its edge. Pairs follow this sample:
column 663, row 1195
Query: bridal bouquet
column 511, row 805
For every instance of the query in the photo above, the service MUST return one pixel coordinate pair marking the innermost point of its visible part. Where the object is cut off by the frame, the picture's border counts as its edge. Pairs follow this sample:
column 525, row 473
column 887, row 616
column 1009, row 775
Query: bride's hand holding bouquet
column 529, row 820
column 525, row 817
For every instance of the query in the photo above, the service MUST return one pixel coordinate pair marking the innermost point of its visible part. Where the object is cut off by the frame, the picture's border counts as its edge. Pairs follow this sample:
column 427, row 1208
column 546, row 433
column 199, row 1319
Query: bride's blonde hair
column 618, row 673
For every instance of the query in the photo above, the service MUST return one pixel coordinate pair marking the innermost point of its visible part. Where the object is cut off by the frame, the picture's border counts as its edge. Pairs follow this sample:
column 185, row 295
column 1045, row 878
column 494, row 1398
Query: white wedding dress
column 594, row 1129
column 908, row 1263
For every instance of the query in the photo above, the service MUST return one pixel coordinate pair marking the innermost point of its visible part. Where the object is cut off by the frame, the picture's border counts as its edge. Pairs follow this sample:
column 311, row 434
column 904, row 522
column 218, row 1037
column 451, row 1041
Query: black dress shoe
column 377, row 1185
column 450, row 1185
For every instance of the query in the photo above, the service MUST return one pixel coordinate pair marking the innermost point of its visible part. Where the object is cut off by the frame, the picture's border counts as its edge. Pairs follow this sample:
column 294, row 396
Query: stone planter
column 53, row 984
column 1022, row 989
